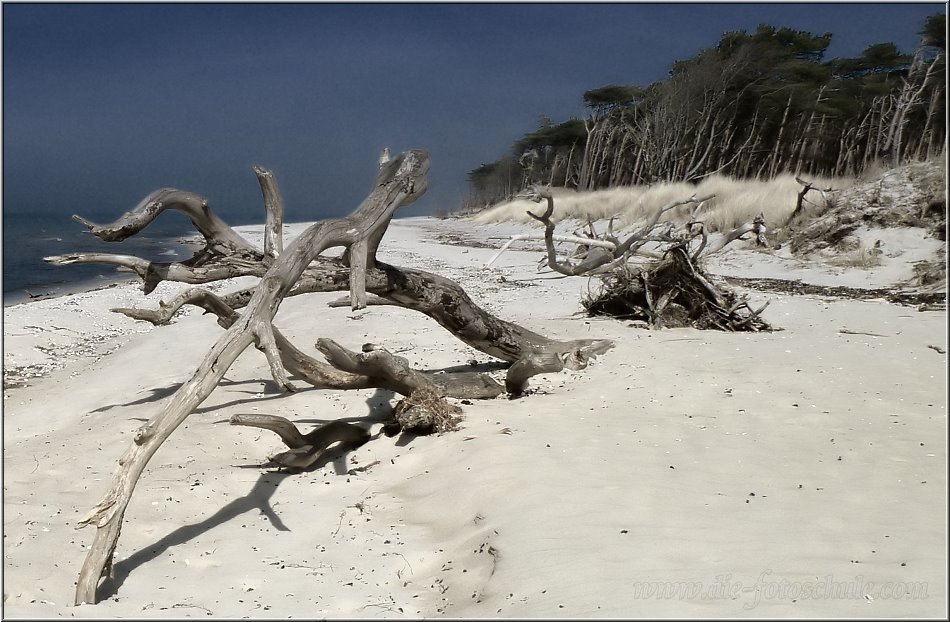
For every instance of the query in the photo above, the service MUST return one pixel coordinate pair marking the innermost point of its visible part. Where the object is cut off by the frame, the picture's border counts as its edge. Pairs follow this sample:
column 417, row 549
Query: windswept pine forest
column 754, row 106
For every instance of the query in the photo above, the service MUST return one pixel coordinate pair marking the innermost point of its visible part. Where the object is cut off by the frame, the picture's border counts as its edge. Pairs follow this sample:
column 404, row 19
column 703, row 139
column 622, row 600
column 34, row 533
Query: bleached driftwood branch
column 599, row 259
column 224, row 255
column 557, row 238
column 274, row 213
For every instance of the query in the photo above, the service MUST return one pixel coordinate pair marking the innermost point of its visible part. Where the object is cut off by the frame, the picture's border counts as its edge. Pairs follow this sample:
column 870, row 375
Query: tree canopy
column 753, row 105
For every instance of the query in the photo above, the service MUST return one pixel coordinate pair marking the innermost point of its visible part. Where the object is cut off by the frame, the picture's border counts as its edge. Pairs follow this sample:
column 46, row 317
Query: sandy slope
column 796, row 473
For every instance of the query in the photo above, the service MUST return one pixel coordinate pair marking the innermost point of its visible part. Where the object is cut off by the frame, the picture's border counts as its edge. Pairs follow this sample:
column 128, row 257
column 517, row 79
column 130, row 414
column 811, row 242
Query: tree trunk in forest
column 583, row 177
column 776, row 159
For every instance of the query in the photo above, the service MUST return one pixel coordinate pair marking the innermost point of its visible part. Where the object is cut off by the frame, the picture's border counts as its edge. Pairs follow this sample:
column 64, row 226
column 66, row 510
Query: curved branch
column 215, row 231
column 440, row 298
column 305, row 448
column 344, row 373
column 225, row 253
column 547, row 360
column 312, row 371
column 516, row 381
column 598, row 260
column 447, row 303
column 595, row 257
column 281, row 426
column 197, row 296
column 757, row 226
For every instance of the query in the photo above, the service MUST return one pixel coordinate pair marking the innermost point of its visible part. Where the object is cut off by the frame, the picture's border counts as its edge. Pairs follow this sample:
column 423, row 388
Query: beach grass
column 736, row 202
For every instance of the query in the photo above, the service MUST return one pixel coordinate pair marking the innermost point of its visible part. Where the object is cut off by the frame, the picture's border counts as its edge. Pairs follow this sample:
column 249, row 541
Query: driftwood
column 247, row 316
column 305, row 449
column 800, row 200
column 672, row 290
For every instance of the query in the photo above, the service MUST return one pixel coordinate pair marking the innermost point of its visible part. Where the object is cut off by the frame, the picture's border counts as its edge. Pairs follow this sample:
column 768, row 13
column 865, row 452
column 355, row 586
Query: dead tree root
column 673, row 293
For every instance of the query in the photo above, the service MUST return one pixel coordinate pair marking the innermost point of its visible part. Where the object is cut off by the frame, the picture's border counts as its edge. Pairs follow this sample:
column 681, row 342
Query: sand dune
column 685, row 473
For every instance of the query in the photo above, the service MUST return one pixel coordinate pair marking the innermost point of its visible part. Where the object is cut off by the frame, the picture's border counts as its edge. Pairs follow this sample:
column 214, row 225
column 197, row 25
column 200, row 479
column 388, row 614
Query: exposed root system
column 672, row 292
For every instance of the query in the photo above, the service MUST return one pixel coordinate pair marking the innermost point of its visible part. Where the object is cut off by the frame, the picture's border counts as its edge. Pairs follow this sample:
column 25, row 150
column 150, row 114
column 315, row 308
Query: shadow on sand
column 258, row 498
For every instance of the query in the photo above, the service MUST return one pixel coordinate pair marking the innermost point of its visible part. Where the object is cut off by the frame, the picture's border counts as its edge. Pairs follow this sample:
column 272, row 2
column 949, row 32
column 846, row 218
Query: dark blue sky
column 103, row 103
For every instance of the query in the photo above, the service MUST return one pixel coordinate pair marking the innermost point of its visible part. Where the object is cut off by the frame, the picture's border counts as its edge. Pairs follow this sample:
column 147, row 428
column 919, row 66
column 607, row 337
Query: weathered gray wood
column 388, row 371
column 305, row 448
column 225, row 253
column 403, row 183
column 596, row 257
column 638, row 239
column 532, row 364
column 274, row 213
column 597, row 260
column 216, row 232
column 153, row 273
column 412, row 289
column 358, row 275
column 197, row 296
column 731, row 236
column 428, row 293
column 343, row 374
column 650, row 292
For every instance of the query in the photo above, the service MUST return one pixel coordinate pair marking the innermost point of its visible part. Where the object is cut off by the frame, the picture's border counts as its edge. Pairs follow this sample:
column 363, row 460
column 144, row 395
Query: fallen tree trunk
column 438, row 297
column 297, row 270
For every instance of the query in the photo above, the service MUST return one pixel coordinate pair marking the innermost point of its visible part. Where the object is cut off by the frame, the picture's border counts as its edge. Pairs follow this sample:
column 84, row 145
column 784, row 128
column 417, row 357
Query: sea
column 28, row 238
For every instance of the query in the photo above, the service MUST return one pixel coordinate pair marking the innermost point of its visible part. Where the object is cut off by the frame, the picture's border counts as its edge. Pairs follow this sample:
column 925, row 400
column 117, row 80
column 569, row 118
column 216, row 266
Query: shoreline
column 679, row 456
column 31, row 240
column 12, row 299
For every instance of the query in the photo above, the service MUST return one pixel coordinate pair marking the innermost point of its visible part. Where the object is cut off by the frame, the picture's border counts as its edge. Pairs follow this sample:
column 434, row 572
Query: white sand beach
column 684, row 473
